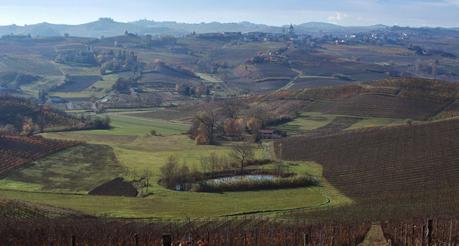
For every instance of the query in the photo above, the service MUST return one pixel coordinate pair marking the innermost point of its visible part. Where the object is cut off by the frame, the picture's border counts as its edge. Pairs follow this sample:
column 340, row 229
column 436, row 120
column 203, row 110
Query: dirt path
column 375, row 237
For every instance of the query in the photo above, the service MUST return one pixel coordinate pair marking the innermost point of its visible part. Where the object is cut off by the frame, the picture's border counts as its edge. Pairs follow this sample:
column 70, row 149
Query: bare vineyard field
column 225, row 232
column 377, row 106
column 389, row 170
column 421, row 231
column 235, row 232
column 16, row 151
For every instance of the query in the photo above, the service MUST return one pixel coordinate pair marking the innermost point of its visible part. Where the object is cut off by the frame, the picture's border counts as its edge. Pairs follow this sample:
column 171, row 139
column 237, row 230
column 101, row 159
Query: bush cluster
column 255, row 185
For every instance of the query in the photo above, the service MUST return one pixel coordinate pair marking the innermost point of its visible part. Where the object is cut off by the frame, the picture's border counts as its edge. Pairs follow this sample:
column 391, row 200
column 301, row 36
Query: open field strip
column 308, row 121
column 138, row 152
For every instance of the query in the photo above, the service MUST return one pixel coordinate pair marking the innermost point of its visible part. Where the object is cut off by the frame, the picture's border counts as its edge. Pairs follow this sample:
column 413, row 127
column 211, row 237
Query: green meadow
column 138, row 151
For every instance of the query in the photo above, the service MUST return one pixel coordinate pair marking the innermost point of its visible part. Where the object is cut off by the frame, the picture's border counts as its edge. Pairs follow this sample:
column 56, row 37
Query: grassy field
column 137, row 152
column 209, row 78
column 308, row 121
column 75, row 70
column 134, row 126
column 164, row 203
column 107, row 82
column 76, row 170
column 170, row 204
column 377, row 122
column 98, row 89
column 32, row 64
column 45, row 83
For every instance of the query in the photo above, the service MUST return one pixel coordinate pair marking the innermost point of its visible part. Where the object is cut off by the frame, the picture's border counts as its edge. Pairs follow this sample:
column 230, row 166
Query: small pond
column 242, row 178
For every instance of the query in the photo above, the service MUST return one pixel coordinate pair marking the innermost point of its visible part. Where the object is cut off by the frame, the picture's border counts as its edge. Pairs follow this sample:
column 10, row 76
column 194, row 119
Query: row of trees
column 110, row 61
column 30, row 127
column 192, row 90
column 172, row 173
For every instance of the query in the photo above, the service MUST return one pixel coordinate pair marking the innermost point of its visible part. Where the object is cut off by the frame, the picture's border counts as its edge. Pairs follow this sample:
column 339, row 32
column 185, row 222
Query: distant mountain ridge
column 108, row 27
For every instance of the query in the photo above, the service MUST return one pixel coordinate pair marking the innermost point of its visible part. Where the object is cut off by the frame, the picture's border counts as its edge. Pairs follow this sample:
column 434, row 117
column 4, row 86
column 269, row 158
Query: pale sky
column 272, row 12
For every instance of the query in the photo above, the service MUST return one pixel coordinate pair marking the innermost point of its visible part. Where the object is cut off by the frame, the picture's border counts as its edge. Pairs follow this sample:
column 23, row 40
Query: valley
column 348, row 135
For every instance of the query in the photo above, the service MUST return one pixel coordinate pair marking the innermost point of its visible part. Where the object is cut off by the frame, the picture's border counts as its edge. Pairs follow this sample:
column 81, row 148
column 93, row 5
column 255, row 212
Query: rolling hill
column 17, row 210
column 403, row 98
column 16, row 151
column 108, row 27
column 17, row 111
column 401, row 170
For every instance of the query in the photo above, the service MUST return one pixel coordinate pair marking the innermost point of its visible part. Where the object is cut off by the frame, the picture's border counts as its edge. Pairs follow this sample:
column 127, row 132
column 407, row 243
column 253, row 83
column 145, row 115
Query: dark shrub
column 255, row 185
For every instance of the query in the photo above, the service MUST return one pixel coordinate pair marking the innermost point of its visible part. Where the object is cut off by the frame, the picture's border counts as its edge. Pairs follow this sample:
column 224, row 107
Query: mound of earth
column 116, row 187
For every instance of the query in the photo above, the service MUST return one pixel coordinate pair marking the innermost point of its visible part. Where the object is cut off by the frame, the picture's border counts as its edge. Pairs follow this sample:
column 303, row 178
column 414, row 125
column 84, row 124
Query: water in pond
column 242, row 178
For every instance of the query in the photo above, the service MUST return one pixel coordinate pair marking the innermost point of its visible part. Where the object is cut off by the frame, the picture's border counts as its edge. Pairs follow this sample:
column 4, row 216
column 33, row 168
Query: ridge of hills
column 109, row 27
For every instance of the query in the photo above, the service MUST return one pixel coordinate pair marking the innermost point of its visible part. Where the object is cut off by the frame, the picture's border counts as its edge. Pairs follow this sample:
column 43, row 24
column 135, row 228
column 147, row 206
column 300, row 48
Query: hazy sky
column 273, row 12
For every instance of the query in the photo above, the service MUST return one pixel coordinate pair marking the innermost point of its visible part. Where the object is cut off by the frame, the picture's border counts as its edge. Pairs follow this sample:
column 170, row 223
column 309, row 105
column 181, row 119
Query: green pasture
column 307, row 121
column 134, row 126
column 63, row 179
column 75, row 170
column 377, row 122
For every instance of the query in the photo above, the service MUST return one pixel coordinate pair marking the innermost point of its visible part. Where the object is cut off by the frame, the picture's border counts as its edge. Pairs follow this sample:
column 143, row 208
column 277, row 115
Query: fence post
column 429, row 232
column 166, row 240
column 450, row 232
column 305, row 239
column 405, row 234
column 73, row 241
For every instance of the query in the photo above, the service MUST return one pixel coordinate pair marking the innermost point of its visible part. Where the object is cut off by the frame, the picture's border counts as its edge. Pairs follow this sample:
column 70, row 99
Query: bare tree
column 242, row 152
column 146, row 178
column 232, row 107
column 208, row 119
column 169, row 172
column 211, row 163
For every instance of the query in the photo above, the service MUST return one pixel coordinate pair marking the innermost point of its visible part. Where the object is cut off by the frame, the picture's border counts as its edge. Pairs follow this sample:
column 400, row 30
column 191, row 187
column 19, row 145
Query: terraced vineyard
column 377, row 106
column 417, row 99
column 393, row 171
column 16, row 151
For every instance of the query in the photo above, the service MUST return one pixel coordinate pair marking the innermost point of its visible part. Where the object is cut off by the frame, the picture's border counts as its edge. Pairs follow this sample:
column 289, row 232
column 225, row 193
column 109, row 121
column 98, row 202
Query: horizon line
column 233, row 22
